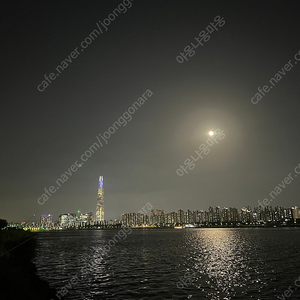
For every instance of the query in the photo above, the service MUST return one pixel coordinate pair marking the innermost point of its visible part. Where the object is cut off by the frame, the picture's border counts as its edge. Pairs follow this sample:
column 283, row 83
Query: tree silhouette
column 3, row 223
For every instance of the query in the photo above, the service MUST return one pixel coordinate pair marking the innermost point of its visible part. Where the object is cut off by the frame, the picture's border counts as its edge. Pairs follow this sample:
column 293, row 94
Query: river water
column 237, row 263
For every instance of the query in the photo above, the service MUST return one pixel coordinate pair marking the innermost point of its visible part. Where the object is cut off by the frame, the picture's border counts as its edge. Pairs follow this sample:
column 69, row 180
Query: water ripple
column 171, row 264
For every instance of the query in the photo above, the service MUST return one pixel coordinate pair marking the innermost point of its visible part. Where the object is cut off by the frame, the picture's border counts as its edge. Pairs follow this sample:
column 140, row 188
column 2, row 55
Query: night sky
column 44, row 133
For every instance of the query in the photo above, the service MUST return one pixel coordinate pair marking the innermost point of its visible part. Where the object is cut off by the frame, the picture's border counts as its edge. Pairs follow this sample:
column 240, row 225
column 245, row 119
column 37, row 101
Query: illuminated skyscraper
column 46, row 220
column 100, row 201
column 296, row 212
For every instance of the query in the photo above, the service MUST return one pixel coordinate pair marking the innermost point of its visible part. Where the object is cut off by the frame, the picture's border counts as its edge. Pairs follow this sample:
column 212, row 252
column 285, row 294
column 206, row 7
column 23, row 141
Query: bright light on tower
column 211, row 133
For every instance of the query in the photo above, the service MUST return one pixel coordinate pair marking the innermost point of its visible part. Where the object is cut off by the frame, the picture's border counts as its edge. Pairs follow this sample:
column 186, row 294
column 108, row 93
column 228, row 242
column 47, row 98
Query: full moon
column 211, row 133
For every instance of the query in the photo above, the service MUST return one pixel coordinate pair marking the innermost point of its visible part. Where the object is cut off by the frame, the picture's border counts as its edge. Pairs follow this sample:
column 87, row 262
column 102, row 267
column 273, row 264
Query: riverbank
column 188, row 226
column 18, row 279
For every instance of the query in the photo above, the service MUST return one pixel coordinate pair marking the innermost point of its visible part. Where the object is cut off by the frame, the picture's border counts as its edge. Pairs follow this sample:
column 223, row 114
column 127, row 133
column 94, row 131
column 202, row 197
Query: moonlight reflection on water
column 172, row 264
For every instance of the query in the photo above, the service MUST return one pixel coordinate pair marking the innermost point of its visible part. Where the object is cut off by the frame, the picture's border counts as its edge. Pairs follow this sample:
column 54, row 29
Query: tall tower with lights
column 100, row 201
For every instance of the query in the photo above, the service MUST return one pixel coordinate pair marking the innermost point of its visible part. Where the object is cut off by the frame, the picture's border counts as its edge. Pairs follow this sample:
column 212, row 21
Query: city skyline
column 99, row 216
column 156, row 211
column 157, row 218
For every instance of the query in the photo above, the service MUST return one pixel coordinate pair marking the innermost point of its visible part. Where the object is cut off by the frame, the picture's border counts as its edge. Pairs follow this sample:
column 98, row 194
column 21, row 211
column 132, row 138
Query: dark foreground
column 18, row 279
